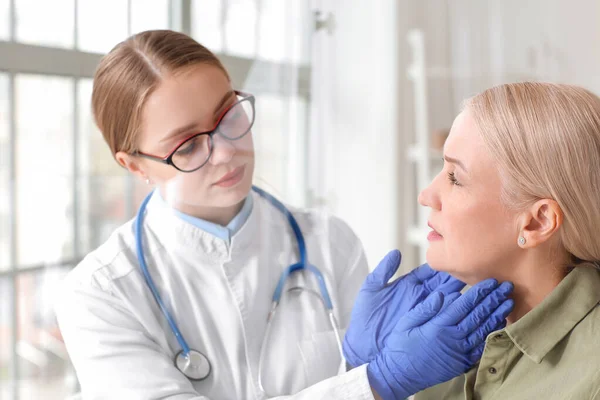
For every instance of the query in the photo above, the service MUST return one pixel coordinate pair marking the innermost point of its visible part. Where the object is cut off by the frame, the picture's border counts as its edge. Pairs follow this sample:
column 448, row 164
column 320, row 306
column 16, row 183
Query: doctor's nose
column 223, row 150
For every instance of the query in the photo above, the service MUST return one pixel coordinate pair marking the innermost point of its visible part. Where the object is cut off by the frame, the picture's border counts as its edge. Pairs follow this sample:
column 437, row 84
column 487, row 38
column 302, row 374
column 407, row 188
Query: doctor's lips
column 433, row 235
column 231, row 178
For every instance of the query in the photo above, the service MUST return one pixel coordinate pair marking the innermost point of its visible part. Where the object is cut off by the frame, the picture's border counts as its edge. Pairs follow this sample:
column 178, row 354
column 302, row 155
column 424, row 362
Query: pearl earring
column 147, row 181
column 521, row 240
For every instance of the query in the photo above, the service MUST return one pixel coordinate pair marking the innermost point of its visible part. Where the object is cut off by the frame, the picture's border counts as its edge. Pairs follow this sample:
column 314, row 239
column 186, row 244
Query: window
column 207, row 23
column 269, row 30
column 44, row 169
column 4, row 175
column 53, row 163
column 93, row 17
column 149, row 14
column 6, row 336
column 48, row 23
column 4, row 19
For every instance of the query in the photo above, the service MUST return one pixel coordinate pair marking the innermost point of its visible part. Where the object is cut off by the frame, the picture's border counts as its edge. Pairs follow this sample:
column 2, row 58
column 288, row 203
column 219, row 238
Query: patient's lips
column 434, row 235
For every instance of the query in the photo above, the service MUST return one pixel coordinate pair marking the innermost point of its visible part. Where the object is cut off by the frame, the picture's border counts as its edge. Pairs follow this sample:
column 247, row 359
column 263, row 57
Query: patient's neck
column 534, row 279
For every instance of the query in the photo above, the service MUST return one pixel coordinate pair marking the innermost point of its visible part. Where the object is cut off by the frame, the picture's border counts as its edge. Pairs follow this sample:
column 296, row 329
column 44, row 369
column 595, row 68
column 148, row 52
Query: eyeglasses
column 194, row 152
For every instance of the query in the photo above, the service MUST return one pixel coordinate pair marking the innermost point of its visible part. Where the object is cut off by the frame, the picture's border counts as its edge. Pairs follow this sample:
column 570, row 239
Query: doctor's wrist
column 386, row 384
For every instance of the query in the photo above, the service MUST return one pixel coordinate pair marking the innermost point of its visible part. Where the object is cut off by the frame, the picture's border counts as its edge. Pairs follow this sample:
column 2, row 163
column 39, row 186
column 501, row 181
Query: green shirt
column 553, row 352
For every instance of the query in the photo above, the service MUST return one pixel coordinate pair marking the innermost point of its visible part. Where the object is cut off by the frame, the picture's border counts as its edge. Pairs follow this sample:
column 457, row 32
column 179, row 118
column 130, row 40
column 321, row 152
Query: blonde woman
column 519, row 199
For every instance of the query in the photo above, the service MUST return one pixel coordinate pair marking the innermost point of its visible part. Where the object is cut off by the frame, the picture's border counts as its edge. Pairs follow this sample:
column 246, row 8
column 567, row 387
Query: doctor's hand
column 379, row 305
column 439, row 339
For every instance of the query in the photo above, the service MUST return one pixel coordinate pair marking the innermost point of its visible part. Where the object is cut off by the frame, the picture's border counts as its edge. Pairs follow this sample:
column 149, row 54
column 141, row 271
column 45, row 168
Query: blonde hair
column 546, row 140
column 130, row 72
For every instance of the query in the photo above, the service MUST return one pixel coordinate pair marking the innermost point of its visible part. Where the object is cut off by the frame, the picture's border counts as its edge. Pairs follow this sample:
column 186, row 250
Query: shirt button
column 492, row 370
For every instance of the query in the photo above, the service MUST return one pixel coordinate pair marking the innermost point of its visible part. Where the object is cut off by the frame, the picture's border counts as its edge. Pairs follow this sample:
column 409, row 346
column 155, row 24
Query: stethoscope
column 192, row 363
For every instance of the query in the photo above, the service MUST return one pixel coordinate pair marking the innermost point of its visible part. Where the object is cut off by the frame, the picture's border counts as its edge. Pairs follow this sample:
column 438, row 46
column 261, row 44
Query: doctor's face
column 473, row 234
column 184, row 104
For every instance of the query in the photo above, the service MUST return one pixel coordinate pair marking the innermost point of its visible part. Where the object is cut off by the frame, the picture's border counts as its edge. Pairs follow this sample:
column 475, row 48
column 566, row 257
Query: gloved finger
column 384, row 270
column 449, row 299
column 496, row 321
column 422, row 274
column 421, row 313
column 445, row 283
column 467, row 302
column 485, row 308
column 350, row 355
column 476, row 354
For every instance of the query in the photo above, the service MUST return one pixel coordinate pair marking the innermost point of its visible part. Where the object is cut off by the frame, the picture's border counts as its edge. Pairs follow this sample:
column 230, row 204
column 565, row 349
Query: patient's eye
column 452, row 179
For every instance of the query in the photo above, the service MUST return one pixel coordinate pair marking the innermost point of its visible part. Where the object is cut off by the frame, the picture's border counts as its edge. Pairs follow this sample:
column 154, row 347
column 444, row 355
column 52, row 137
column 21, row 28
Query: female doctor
column 179, row 302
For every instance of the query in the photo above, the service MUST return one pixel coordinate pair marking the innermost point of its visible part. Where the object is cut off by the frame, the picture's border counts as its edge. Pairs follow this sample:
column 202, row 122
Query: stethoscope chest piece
column 195, row 366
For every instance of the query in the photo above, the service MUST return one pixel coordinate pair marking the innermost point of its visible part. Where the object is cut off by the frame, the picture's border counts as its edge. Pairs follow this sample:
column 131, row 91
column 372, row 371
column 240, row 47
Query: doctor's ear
column 131, row 163
column 539, row 223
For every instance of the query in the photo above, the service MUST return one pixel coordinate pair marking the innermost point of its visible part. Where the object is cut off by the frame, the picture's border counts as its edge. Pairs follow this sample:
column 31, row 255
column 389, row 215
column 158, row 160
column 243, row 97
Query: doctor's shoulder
column 318, row 223
column 330, row 235
column 112, row 259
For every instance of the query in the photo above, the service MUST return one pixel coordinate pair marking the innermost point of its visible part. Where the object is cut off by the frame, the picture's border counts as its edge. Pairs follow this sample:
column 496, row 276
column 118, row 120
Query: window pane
column 4, row 19
column 49, row 23
column 44, row 368
column 269, row 142
column 282, row 34
column 108, row 195
column 44, row 153
column 6, row 315
column 279, row 135
column 207, row 25
column 149, row 14
column 240, row 28
column 284, row 30
column 101, row 24
column 4, row 174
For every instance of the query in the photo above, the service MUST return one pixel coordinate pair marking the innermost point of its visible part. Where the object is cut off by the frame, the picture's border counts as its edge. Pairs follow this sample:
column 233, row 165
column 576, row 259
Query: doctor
column 216, row 290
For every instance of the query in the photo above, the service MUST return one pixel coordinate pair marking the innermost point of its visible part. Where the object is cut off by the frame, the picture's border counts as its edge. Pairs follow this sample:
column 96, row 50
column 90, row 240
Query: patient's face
column 474, row 236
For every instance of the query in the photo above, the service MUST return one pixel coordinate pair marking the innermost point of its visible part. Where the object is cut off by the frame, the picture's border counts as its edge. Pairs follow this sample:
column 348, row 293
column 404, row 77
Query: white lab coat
column 220, row 295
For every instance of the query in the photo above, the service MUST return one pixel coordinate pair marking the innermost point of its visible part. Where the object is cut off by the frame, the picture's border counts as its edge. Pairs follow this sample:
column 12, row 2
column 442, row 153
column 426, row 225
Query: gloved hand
column 422, row 351
column 379, row 305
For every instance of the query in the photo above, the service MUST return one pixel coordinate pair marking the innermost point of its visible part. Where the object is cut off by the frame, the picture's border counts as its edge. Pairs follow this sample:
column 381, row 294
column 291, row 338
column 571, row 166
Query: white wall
column 495, row 42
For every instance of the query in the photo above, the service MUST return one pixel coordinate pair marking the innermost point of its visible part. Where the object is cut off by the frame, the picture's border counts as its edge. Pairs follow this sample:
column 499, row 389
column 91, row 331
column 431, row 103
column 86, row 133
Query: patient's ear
column 540, row 222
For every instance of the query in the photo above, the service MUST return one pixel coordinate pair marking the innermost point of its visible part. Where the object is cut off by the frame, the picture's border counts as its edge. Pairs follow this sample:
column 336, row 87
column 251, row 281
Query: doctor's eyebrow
column 455, row 161
column 223, row 102
column 192, row 125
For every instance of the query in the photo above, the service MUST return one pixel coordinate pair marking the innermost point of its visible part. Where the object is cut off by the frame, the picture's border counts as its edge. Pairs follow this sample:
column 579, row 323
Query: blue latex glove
column 379, row 305
column 439, row 339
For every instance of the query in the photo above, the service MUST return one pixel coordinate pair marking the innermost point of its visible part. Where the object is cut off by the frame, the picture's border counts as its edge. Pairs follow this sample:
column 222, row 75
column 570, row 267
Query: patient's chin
column 462, row 275
column 438, row 262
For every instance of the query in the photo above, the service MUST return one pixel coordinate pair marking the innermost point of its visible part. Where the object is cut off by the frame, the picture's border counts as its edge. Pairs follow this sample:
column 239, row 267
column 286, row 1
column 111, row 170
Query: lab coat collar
column 222, row 232
column 173, row 232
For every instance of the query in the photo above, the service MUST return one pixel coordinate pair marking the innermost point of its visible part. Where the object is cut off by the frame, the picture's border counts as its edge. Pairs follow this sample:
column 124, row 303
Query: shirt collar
column 538, row 331
column 222, row 232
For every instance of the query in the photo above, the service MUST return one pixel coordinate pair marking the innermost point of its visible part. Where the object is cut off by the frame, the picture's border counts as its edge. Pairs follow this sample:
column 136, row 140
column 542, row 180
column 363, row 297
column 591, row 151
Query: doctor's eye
column 187, row 148
column 452, row 179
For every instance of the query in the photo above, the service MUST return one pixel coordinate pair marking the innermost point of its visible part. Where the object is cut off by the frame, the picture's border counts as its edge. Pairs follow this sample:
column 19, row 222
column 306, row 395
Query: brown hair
column 546, row 140
column 130, row 72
